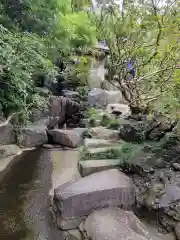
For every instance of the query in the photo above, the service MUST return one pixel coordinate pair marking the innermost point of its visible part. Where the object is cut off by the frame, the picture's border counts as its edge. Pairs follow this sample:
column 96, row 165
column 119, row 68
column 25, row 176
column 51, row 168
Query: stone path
column 75, row 197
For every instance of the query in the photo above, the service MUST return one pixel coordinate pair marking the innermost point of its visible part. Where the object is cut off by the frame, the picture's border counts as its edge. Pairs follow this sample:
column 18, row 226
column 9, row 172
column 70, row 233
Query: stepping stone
column 92, row 143
column 104, row 133
column 103, row 149
column 107, row 188
column 92, row 166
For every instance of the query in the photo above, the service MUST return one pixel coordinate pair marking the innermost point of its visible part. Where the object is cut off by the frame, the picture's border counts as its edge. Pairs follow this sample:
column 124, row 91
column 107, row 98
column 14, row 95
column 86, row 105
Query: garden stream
column 24, row 195
column 24, row 200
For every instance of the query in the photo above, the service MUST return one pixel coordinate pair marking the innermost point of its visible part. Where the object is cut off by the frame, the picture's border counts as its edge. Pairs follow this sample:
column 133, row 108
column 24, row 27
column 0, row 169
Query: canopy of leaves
column 148, row 34
column 32, row 35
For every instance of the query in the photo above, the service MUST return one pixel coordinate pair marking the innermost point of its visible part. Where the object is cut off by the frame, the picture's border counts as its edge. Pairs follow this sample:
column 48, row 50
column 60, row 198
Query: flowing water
column 24, row 195
column 24, row 202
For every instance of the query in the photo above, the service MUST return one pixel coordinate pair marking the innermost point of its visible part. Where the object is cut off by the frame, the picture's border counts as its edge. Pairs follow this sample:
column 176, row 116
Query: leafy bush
column 83, row 92
column 105, row 121
column 91, row 113
column 32, row 35
column 21, row 54
column 114, row 124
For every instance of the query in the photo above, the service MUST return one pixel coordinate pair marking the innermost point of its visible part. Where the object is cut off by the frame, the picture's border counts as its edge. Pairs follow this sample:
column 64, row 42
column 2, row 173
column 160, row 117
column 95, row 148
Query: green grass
column 125, row 152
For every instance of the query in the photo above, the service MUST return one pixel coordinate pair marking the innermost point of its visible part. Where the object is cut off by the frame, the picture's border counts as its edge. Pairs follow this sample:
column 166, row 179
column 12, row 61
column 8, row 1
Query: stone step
column 104, row 149
column 104, row 133
column 92, row 166
column 93, row 143
column 107, row 188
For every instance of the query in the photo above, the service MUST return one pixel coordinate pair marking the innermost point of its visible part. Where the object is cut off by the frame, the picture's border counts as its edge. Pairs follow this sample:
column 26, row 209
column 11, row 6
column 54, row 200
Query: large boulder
column 101, row 98
column 9, row 150
column 107, row 188
column 66, row 138
column 63, row 110
column 132, row 131
column 114, row 224
column 7, row 134
column 32, row 136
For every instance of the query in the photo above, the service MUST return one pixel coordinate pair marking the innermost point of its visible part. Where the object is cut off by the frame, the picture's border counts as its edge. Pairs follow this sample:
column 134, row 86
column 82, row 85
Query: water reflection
column 24, row 202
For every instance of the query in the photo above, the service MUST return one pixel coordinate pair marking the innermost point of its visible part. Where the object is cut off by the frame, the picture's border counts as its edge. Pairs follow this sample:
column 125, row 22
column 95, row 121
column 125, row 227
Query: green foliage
column 83, row 92
column 76, row 75
column 20, row 56
column 32, row 35
column 91, row 113
column 105, row 120
column 125, row 152
column 114, row 124
column 92, row 122
column 149, row 34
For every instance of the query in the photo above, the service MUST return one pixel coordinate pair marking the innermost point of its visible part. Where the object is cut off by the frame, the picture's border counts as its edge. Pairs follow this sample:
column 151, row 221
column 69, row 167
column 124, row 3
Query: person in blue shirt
column 131, row 69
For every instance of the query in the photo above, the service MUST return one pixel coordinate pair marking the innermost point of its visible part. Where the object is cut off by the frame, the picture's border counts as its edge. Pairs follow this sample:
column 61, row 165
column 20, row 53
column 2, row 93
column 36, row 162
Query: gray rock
column 100, row 98
column 92, row 166
column 117, row 109
column 172, row 194
column 52, row 146
column 7, row 134
column 9, row 150
column 66, row 224
column 114, row 224
column 176, row 166
column 106, row 188
column 96, row 143
column 74, row 234
column 84, row 122
column 32, row 136
column 70, row 94
column 177, row 230
column 67, row 138
column 104, row 133
column 81, row 131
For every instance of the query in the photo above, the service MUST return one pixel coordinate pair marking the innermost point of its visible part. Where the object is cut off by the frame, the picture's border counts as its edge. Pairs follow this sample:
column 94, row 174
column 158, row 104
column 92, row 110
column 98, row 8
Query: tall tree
column 143, row 40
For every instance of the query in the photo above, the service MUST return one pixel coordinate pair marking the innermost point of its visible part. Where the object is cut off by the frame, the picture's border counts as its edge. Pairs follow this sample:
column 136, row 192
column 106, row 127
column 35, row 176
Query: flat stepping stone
column 103, row 149
column 104, row 133
column 92, row 143
column 92, row 166
column 107, row 188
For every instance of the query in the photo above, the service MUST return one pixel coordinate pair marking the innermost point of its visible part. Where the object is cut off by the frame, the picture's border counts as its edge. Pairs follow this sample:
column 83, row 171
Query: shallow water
column 24, row 201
